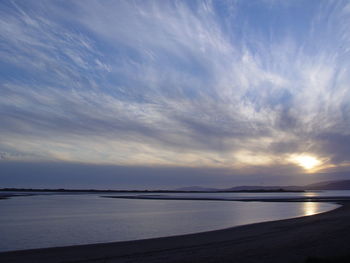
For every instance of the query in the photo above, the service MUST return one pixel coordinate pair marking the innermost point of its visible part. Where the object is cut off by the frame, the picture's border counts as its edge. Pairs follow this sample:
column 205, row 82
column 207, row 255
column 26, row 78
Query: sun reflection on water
column 310, row 208
column 311, row 194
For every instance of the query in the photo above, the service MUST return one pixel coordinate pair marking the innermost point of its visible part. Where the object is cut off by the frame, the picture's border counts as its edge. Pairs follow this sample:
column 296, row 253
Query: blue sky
column 217, row 91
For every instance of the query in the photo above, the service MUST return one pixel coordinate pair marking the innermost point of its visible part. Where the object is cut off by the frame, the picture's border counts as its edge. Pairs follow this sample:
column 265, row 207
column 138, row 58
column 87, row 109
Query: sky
column 164, row 94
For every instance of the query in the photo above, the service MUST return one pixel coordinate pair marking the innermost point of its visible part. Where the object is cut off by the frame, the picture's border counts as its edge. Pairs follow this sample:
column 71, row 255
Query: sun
column 308, row 162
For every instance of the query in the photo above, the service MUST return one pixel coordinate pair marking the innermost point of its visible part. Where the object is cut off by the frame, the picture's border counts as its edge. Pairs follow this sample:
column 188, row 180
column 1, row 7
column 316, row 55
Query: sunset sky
column 149, row 94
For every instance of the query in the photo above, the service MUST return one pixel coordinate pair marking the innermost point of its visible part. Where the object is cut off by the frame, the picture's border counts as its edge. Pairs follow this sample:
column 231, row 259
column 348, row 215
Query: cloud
column 197, row 83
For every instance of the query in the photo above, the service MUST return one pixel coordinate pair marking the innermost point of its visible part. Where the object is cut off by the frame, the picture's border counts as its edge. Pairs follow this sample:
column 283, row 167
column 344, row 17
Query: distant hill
column 263, row 188
column 329, row 185
column 240, row 188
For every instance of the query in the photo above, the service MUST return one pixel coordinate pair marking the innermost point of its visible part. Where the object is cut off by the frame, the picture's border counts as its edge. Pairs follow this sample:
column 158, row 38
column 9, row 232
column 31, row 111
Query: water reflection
column 310, row 208
column 311, row 194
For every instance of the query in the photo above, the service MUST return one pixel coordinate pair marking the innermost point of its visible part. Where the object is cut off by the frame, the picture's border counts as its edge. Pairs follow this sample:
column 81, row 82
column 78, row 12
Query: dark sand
column 301, row 239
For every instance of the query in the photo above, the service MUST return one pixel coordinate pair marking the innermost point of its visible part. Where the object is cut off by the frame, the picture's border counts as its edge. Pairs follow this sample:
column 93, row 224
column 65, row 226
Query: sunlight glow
column 308, row 162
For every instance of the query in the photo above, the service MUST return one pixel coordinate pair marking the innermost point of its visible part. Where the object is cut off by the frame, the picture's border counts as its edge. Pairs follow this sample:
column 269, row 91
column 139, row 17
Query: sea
column 53, row 219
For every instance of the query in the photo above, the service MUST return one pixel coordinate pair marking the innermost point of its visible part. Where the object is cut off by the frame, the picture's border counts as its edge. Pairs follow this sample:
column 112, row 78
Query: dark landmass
column 276, row 190
column 140, row 191
column 7, row 196
column 320, row 238
column 197, row 189
column 266, row 188
column 328, row 185
column 243, row 188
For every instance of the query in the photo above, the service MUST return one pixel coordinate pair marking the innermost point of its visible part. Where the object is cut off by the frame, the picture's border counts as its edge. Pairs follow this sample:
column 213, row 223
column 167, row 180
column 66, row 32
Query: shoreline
column 289, row 240
column 63, row 190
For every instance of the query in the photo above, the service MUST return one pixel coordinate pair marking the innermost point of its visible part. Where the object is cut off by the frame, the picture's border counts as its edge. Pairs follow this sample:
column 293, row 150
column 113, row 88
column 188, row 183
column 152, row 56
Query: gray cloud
column 334, row 145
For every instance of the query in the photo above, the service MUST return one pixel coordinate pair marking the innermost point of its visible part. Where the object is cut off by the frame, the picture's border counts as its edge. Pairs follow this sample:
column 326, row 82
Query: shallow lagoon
column 71, row 219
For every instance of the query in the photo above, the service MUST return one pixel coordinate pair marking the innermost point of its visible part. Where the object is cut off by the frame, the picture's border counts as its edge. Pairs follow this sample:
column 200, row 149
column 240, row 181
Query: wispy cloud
column 229, row 84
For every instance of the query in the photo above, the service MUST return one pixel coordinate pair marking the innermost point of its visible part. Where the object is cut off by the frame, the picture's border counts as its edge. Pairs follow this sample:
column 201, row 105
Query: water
column 62, row 220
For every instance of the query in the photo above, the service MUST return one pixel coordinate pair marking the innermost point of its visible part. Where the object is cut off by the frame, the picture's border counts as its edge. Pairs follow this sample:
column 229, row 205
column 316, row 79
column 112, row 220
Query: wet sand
column 301, row 239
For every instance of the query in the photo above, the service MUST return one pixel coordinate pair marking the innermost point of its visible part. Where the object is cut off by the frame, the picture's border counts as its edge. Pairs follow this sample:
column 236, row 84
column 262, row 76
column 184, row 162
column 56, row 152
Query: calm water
column 61, row 220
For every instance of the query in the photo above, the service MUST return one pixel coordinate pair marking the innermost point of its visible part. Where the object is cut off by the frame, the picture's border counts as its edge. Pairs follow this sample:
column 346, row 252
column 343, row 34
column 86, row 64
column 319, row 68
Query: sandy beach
column 319, row 238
